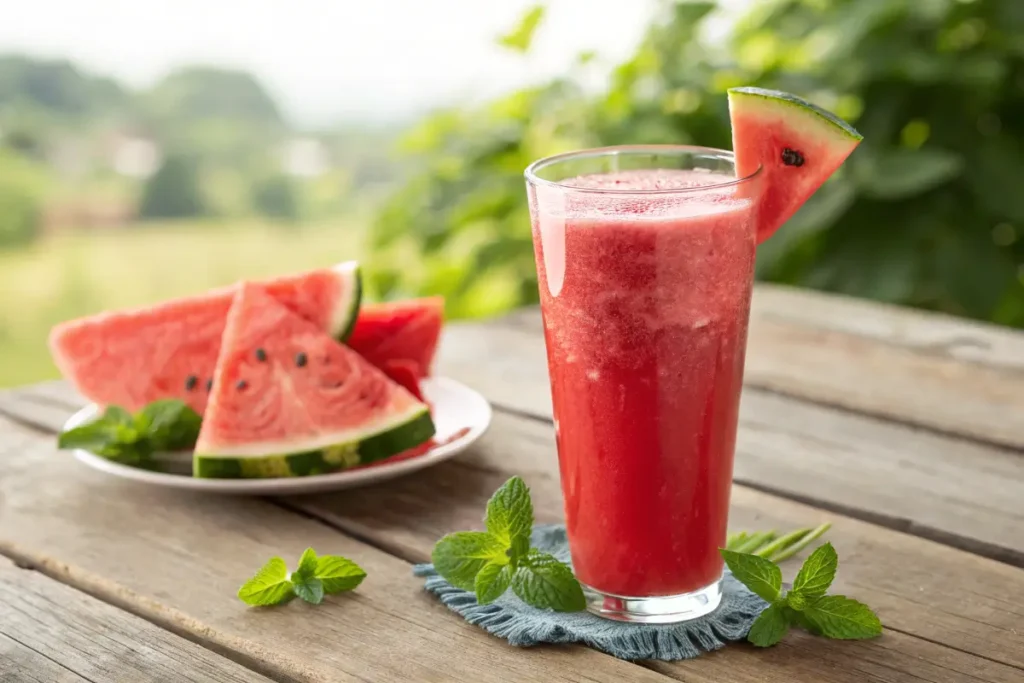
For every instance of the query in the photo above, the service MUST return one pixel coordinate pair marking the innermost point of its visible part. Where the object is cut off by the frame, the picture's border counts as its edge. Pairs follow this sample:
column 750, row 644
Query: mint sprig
column 542, row 581
column 490, row 562
column 459, row 557
column 270, row 586
column 761, row 576
column 315, row 577
column 806, row 604
column 162, row 426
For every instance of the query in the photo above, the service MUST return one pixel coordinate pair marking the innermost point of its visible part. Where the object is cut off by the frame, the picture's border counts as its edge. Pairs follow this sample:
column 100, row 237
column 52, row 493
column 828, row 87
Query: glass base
column 661, row 609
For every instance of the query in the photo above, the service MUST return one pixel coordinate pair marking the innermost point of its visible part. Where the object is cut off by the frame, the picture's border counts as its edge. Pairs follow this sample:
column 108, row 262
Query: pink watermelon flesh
column 797, row 145
column 284, row 392
column 400, row 331
column 131, row 358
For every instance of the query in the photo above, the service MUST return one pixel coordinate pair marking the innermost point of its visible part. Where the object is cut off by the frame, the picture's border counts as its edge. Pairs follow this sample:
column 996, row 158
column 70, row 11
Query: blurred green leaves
column 926, row 212
column 520, row 37
column 899, row 173
column 23, row 183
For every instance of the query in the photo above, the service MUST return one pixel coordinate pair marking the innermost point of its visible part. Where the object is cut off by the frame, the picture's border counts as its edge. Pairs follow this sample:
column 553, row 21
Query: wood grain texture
column 907, row 579
column 21, row 664
column 934, row 334
column 947, row 374
column 51, row 632
column 948, row 489
column 177, row 560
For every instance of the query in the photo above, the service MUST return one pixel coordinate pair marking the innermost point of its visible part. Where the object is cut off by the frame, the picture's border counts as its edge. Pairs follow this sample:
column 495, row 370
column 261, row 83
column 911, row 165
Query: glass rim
column 616, row 150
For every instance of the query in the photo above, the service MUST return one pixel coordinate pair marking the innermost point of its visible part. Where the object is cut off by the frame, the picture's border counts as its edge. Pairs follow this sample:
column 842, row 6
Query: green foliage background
column 21, row 185
column 927, row 212
column 173, row 191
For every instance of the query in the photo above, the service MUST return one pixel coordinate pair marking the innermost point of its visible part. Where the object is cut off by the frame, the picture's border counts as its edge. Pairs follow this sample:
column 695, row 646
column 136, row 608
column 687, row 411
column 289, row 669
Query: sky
column 328, row 60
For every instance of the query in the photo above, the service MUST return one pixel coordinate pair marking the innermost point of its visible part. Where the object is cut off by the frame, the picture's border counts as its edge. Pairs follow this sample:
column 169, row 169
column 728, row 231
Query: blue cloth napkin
column 522, row 625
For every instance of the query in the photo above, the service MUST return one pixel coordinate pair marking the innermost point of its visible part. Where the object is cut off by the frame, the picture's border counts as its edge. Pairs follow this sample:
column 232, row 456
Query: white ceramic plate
column 455, row 407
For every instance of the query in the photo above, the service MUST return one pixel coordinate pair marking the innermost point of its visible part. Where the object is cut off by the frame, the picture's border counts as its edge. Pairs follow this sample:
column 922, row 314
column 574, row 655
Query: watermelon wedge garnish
column 134, row 357
column 797, row 145
column 289, row 400
column 400, row 331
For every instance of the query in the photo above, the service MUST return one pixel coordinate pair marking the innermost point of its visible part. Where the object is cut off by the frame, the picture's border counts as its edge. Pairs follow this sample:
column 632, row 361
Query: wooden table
column 905, row 430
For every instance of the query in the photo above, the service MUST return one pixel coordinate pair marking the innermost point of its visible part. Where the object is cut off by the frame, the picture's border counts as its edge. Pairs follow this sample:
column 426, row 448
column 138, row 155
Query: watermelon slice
column 406, row 373
column 288, row 400
column 796, row 144
column 131, row 358
column 400, row 331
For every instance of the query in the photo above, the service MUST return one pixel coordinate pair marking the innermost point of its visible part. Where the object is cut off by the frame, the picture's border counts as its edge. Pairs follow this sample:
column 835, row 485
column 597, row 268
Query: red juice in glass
column 645, row 258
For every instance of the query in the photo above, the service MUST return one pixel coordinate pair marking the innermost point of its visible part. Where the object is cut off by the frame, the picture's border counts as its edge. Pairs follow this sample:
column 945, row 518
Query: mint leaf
column 460, row 556
column 116, row 415
column 307, row 565
column 90, row 437
column 170, row 424
column 798, row 619
column 270, row 585
column 118, row 436
column 770, row 627
column 817, row 574
column 338, row 574
column 492, row 581
column 542, row 581
column 840, row 617
column 111, row 439
column 761, row 576
column 510, row 517
column 798, row 601
column 309, row 588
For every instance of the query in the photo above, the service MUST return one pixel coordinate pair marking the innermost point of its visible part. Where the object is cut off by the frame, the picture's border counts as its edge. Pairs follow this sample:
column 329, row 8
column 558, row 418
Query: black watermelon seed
column 791, row 157
column 242, row 384
column 209, row 384
column 261, row 355
column 191, row 382
column 301, row 359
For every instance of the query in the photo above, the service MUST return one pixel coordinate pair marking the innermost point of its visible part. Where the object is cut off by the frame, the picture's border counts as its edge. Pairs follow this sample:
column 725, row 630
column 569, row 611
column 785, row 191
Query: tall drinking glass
column 645, row 258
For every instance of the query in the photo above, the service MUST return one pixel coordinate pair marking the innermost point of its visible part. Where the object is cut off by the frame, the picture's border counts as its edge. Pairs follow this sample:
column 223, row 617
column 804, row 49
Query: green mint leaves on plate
column 806, row 603
column 314, row 578
column 162, row 426
column 490, row 562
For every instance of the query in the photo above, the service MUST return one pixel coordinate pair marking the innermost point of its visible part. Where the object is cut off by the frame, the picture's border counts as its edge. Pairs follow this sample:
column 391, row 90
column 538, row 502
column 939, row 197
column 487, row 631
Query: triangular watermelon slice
column 797, row 145
column 404, row 331
column 288, row 400
column 132, row 358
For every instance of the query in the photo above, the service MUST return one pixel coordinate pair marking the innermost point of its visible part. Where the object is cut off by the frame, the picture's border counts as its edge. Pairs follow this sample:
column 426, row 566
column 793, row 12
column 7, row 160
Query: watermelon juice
column 645, row 260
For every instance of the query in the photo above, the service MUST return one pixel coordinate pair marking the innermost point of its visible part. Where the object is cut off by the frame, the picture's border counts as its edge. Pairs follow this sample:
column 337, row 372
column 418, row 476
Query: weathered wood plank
column 907, row 579
column 20, row 664
column 177, row 559
column 855, row 373
column 879, row 566
column 951, row 490
column 930, row 333
column 51, row 632
column 948, row 374
column 893, row 657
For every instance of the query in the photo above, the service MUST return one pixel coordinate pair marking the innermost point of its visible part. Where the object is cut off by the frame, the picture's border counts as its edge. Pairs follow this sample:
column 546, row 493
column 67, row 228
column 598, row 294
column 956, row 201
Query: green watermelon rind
column 344, row 317
column 363, row 450
column 798, row 106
